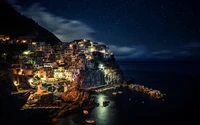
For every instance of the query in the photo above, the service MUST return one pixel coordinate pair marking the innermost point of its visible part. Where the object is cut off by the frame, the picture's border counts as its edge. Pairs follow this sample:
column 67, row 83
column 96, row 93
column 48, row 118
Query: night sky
column 133, row 29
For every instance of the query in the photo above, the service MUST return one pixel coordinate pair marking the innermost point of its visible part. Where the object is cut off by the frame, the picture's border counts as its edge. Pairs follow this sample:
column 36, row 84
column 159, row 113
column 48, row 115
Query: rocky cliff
column 93, row 78
column 111, row 74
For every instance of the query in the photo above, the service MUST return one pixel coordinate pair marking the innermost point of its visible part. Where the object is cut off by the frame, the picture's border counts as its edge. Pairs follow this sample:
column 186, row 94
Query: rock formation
column 93, row 78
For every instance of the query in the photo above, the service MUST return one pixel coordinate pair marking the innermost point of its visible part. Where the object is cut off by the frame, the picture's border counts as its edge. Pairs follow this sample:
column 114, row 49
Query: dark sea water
column 178, row 80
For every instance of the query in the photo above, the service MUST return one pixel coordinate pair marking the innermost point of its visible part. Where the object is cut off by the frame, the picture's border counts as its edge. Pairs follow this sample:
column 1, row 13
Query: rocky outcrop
column 128, row 81
column 93, row 78
column 74, row 95
column 113, row 76
column 110, row 74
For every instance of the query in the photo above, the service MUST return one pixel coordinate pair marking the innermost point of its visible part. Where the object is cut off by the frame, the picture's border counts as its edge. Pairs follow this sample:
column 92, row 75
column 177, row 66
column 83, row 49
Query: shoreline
column 67, row 108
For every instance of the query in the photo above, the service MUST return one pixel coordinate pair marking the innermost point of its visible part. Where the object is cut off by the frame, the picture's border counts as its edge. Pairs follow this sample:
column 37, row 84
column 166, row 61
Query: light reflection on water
column 102, row 115
column 120, row 110
column 102, row 112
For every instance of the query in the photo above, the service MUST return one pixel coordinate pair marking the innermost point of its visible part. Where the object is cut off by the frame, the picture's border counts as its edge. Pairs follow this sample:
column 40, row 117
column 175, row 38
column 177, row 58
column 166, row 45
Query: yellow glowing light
column 24, row 41
column 92, row 49
column 7, row 38
column 4, row 54
column 81, row 45
column 30, row 80
column 101, row 66
column 32, row 84
column 20, row 72
column 26, row 52
column 33, row 43
column 16, row 83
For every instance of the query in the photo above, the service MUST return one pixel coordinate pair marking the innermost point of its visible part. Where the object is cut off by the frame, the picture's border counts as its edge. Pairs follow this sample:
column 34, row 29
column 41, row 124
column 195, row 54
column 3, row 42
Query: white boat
column 90, row 121
column 114, row 93
column 85, row 112
column 120, row 92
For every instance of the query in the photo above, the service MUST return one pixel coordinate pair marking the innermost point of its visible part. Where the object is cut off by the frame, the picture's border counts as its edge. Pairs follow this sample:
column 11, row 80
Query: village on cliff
column 53, row 74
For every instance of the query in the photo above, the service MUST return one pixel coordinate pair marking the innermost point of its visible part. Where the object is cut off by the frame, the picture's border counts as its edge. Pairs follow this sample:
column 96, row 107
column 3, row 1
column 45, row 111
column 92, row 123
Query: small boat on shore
column 90, row 121
column 119, row 92
column 85, row 112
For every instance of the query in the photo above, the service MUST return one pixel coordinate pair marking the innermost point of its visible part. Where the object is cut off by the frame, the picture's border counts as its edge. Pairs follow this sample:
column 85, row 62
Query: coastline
column 85, row 104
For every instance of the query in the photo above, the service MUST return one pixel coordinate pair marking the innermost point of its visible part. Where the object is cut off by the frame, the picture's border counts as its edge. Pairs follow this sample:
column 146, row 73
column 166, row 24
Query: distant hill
column 13, row 24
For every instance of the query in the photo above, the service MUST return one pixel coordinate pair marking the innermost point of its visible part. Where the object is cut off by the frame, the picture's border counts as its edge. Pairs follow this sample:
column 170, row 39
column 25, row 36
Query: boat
column 114, row 93
column 85, row 112
column 90, row 121
column 120, row 92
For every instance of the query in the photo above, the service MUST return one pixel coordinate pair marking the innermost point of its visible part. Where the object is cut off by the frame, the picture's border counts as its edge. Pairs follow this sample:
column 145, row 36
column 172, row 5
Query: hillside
column 14, row 24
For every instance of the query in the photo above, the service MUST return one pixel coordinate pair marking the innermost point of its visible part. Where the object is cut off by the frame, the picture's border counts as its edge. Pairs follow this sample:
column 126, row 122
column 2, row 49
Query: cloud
column 127, row 52
column 122, row 52
column 188, row 51
column 13, row 3
column 162, row 54
column 69, row 30
column 66, row 30
column 192, row 45
column 191, row 49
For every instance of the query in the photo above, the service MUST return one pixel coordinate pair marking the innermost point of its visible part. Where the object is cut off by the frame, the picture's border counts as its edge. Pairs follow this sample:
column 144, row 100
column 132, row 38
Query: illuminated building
column 4, row 38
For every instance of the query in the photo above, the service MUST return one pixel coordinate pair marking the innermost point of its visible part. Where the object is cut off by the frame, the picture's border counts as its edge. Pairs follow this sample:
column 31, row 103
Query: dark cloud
column 122, row 52
column 192, row 45
column 69, row 30
column 189, row 51
column 64, row 29
column 163, row 54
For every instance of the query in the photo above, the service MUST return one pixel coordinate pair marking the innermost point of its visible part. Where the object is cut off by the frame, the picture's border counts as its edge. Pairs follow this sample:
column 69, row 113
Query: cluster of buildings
column 42, row 62
column 4, row 39
column 55, row 69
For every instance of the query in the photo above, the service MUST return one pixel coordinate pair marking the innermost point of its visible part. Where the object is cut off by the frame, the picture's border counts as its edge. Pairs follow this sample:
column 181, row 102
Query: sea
column 178, row 80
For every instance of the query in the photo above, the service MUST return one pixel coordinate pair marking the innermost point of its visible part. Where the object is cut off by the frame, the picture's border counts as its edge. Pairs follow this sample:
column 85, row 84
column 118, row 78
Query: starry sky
column 133, row 29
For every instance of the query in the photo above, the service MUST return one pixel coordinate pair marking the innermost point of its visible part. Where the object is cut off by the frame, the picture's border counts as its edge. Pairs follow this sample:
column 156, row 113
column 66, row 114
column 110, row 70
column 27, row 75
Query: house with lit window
column 58, row 74
column 49, row 72
column 32, row 46
column 69, row 75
